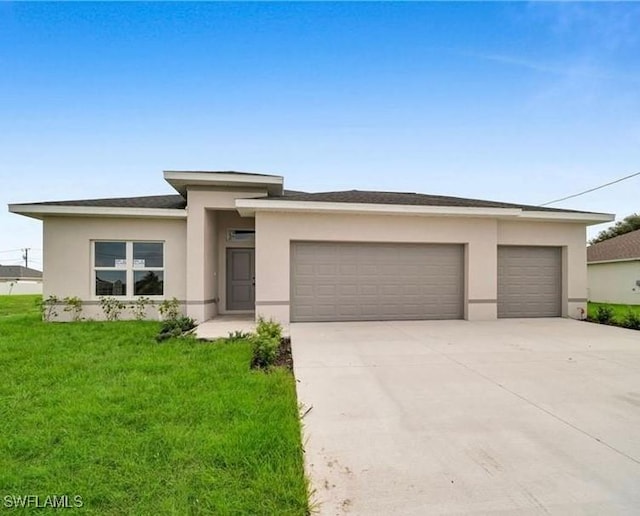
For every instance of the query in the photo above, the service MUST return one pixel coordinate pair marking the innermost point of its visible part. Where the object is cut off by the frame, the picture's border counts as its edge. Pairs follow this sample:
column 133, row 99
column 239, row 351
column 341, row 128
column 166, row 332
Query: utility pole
column 25, row 256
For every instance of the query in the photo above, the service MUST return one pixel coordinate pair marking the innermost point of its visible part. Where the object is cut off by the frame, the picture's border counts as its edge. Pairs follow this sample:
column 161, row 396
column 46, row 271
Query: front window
column 128, row 269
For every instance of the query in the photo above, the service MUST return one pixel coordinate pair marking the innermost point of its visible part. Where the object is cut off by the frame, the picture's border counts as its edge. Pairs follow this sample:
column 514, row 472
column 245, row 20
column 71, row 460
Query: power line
column 591, row 189
column 20, row 249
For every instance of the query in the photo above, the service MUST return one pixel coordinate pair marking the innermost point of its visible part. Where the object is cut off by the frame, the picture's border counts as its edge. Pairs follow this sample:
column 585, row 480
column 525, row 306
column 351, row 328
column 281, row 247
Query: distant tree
column 626, row 225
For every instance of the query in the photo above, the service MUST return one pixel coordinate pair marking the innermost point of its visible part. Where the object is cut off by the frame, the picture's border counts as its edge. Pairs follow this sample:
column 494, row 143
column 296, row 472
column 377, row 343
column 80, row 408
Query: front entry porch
column 221, row 326
column 220, row 262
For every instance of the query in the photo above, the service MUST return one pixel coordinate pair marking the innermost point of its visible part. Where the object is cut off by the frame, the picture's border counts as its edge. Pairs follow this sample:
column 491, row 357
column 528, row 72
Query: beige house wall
column 614, row 282
column 68, row 270
column 275, row 231
column 209, row 217
column 195, row 251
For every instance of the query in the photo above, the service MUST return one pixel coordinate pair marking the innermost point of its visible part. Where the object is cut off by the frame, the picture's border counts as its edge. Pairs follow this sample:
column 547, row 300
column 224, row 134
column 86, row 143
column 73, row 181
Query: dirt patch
column 285, row 358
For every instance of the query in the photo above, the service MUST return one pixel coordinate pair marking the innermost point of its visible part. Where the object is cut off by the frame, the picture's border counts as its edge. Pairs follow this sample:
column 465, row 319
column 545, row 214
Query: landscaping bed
column 626, row 316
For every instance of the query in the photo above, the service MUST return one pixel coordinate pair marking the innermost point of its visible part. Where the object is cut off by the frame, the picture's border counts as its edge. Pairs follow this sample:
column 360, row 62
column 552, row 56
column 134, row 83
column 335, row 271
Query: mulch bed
column 611, row 323
column 285, row 358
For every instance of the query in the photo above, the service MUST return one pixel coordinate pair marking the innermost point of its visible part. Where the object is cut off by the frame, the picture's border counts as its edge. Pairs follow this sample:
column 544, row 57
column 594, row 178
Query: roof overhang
column 39, row 211
column 248, row 208
column 20, row 278
column 568, row 216
column 180, row 180
column 616, row 260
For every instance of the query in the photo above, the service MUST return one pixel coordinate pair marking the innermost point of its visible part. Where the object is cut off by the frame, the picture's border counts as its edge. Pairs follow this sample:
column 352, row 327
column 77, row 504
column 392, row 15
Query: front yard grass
column 619, row 311
column 101, row 411
column 18, row 306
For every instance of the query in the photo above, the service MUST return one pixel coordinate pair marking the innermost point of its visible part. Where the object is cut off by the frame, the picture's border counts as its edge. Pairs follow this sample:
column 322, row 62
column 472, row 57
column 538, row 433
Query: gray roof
column 623, row 247
column 349, row 196
column 407, row 198
column 150, row 201
column 18, row 272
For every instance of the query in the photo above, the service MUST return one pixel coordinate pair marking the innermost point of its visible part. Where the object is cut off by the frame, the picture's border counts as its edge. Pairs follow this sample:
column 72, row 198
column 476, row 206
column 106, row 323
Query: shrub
column 139, row 308
column 169, row 309
column 174, row 324
column 111, row 308
column 73, row 305
column 265, row 352
column 265, row 343
column 175, row 327
column 49, row 308
column 631, row 320
column 604, row 314
column 268, row 329
column 237, row 336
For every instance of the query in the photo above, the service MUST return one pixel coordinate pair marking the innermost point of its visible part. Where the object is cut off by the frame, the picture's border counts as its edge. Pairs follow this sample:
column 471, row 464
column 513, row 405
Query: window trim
column 249, row 233
column 129, row 269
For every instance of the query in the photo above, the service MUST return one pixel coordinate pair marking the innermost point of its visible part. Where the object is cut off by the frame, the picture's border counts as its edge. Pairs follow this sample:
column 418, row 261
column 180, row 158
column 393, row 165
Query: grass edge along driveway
column 101, row 411
column 619, row 311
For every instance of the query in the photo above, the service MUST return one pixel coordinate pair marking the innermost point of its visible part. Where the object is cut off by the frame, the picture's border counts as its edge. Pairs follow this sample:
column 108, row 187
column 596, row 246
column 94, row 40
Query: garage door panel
column 348, row 269
column 529, row 281
column 348, row 290
column 326, row 290
column 303, row 291
column 366, row 281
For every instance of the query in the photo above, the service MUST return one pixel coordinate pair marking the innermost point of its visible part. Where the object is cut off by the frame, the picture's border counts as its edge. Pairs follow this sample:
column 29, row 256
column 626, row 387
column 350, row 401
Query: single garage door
column 529, row 281
column 370, row 281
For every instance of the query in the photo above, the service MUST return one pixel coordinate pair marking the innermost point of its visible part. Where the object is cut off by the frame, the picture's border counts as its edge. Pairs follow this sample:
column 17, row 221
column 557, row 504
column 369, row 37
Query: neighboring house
column 16, row 279
column 614, row 269
column 238, row 243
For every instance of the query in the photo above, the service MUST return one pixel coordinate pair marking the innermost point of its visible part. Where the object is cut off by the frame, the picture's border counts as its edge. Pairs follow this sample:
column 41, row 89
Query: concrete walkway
column 455, row 417
column 223, row 325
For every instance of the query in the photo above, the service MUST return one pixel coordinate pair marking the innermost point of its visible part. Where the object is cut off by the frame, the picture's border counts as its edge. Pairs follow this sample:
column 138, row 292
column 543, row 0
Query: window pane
column 111, row 283
column 148, row 283
column 147, row 254
column 108, row 252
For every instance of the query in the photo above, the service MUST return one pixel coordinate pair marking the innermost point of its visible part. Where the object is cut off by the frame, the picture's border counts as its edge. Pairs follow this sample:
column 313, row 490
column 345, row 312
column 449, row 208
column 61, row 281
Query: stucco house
column 17, row 279
column 239, row 243
column 614, row 270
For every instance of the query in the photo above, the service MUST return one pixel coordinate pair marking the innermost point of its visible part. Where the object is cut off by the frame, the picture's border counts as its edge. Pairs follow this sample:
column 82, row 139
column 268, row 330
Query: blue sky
column 521, row 102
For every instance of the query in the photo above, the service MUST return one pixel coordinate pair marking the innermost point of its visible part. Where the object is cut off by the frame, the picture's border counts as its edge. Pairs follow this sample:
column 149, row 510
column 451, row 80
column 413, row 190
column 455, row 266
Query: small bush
column 112, row 308
column 237, row 336
column 169, row 309
column 265, row 343
column 604, row 314
column 265, row 352
column 73, row 305
column 631, row 320
column 174, row 324
column 139, row 308
column 175, row 327
column 269, row 329
column 49, row 307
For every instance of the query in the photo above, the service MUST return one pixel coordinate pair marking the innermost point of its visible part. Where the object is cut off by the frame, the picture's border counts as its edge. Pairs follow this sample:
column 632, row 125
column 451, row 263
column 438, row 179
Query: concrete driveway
column 455, row 417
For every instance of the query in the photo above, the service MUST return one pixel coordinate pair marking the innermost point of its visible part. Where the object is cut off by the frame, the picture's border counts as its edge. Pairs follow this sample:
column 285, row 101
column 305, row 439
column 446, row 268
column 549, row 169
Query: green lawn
column 619, row 311
column 18, row 305
column 101, row 411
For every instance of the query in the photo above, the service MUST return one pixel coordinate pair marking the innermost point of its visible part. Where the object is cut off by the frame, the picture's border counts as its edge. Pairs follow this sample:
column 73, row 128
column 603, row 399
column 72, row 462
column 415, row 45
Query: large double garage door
column 370, row 281
column 336, row 281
